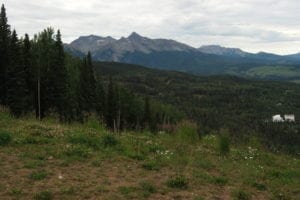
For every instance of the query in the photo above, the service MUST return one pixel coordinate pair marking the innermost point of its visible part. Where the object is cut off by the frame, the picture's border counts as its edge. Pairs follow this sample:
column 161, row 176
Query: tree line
column 36, row 75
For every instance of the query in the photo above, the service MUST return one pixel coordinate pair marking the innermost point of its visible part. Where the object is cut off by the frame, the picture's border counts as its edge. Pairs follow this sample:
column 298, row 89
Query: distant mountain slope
column 91, row 43
column 223, row 51
column 173, row 55
column 73, row 51
column 114, row 50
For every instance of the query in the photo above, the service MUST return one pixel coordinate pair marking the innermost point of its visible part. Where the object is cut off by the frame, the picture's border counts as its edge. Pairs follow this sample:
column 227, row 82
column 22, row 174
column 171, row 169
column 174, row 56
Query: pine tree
column 147, row 113
column 44, row 58
column 100, row 99
column 58, row 79
column 87, row 86
column 82, row 90
column 5, row 34
column 91, row 82
column 111, row 113
column 16, row 79
column 28, row 68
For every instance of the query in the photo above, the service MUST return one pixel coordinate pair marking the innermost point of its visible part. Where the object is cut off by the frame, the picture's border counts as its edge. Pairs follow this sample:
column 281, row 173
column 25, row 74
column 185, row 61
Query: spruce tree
column 111, row 113
column 58, row 79
column 87, row 86
column 100, row 99
column 16, row 79
column 147, row 113
column 91, row 83
column 82, row 90
column 44, row 54
column 28, row 68
column 5, row 34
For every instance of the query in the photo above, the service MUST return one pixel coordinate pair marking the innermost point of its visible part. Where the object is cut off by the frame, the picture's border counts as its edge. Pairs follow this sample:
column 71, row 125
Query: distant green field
column 274, row 71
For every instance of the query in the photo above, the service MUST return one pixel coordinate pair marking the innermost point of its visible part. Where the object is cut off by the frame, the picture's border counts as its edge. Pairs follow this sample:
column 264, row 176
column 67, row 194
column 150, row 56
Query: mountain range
column 172, row 55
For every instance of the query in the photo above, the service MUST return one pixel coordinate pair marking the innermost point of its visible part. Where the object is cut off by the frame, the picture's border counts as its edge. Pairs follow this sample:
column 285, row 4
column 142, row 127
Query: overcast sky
column 253, row 25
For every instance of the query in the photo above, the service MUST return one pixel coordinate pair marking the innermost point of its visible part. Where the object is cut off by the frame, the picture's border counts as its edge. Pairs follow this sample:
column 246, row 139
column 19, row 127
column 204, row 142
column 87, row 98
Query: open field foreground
column 45, row 160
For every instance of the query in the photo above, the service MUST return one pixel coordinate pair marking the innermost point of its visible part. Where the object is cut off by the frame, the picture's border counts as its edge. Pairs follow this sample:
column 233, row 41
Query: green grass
column 43, row 195
column 136, row 165
column 38, row 176
column 179, row 182
column 275, row 71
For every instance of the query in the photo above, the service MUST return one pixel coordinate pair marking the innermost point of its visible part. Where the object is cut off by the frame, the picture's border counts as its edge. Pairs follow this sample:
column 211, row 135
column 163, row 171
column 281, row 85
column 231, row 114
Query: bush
column 179, row 182
column 44, row 195
column 38, row 175
column 241, row 195
column 224, row 143
column 220, row 180
column 147, row 188
column 78, row 151
column 151, row 165
column 187, row 132
column 259, row 186
column 5, row 138
column 109, row 140
column 85, row 139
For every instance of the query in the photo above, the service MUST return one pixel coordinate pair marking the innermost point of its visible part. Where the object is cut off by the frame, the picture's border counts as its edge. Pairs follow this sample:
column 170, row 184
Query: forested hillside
column 244, row 106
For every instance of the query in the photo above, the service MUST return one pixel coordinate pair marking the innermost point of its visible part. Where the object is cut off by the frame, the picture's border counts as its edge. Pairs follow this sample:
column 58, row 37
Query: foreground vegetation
column 47, row 160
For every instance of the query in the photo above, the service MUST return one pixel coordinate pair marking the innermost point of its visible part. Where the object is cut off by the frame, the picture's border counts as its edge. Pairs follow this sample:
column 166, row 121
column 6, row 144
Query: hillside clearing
column 45, row 160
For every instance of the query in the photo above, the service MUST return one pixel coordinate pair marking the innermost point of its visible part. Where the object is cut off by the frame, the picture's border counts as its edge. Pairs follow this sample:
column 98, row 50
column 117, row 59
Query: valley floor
column 45, row 160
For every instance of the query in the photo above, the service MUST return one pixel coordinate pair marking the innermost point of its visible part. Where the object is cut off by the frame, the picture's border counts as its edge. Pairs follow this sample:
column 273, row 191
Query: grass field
column 274, row 71
column 46, row 160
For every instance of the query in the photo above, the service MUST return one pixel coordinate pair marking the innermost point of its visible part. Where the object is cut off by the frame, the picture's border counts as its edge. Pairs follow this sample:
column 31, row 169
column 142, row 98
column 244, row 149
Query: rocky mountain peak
column 135, row 36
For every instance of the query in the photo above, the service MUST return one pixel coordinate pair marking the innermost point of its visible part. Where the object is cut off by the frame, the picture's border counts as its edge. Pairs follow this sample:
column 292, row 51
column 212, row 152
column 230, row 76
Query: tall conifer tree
column 147, row 113
column 91, row 82
column 5, row 34
column 87, row 86
column 16, row 79
column 100, row 99
column 28, row 68
column 58, row 79
column 111, row 113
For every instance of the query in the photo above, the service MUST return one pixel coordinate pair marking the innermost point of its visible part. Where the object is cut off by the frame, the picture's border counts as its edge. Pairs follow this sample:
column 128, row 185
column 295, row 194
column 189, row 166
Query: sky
column 252, row 25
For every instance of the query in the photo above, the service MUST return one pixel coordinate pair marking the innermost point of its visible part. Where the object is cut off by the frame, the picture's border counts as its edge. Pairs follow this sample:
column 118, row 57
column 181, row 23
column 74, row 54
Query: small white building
column 289, row 118
column 277, row 118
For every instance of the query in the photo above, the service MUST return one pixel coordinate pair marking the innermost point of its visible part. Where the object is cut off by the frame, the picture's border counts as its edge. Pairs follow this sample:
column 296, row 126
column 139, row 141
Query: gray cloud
column 254, row 25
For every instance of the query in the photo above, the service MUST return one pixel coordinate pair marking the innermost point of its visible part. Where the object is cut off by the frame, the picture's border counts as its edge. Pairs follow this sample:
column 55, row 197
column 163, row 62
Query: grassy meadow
column 47, row 160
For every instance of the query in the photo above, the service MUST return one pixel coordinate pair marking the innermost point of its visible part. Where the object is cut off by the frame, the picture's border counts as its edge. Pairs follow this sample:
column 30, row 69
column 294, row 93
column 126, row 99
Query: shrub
column 44, row 195
column 38, row 175
column 259, row 186
column 219, row 180
column 126, row 191
column 85, row 139
column 34, row 140
column 224, row 143
column 78, row 151
column 241, row 195
column 179, row 182
column 5, row 138
column 16, row 192
column 151, row 165
column 109, row 140
column 147, row 188
column 187, row 132
column 201, row 162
